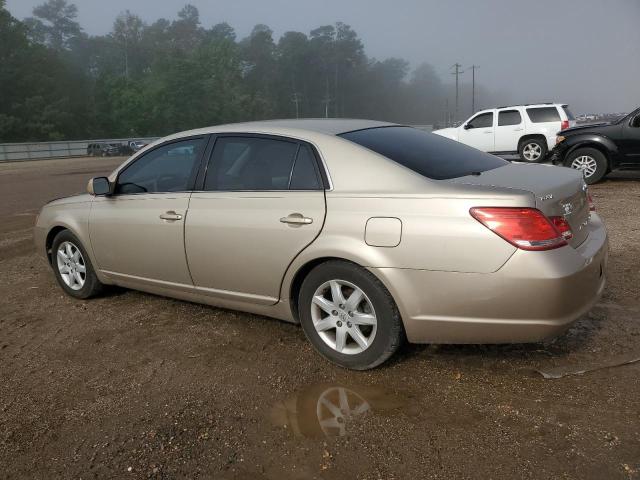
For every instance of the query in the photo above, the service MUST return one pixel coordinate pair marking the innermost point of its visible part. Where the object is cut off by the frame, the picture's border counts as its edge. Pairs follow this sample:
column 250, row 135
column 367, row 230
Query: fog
column 583, row 52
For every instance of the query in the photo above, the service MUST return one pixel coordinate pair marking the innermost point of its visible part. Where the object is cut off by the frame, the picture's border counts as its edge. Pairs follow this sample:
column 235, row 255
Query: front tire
column 349, row 316
column 591, row 161
column 72, row 267
column 532, row 150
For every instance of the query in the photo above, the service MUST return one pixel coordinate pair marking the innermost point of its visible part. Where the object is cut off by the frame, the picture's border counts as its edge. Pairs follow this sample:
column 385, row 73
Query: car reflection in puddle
column 330, row 409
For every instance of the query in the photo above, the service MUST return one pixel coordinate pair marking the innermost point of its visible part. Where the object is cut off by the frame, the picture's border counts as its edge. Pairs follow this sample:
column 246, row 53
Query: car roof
column 327, row 126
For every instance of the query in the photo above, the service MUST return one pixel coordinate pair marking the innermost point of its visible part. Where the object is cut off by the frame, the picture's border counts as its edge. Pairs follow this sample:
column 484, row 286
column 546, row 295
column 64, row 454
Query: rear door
column 508, row 131
column 478, row 132
column 260, row 203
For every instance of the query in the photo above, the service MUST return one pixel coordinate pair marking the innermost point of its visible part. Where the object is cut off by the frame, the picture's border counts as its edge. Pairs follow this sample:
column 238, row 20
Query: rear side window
column 430, row 155
column 254, row 163
column 304, row 175
column 509, row 117
column 568, row 112
column 483, row 120
column 543, row 114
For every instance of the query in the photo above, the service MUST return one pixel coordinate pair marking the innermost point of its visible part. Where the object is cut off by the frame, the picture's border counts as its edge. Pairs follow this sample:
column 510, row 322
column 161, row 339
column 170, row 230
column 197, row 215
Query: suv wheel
column 349, row 316
column 533, row 150
column 592, row 162
column 72, row 267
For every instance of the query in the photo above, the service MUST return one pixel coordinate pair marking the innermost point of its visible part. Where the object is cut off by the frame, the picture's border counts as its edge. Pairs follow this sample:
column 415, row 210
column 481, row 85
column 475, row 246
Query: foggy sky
column 583, row 52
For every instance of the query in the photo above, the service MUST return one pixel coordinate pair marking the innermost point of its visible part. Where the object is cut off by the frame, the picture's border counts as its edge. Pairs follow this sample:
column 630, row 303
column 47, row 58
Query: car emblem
column 546, row 197
column 568, row 208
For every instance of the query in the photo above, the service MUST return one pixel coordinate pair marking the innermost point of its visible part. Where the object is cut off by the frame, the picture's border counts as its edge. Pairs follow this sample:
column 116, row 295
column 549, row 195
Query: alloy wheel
column 344, row 317
column 71, row 265
column 532, row 151
column 587, row 164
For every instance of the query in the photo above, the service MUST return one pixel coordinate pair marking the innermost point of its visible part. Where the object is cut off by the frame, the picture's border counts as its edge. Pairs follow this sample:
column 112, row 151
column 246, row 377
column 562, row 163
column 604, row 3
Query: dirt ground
column 136, row 386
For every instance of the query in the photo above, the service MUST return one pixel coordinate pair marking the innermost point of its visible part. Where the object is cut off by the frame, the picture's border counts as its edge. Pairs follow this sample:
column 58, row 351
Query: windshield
column 429, row 155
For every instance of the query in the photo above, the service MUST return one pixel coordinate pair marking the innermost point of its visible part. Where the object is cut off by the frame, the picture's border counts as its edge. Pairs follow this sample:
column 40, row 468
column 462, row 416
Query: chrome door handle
column 296, row 219
column 171, row 216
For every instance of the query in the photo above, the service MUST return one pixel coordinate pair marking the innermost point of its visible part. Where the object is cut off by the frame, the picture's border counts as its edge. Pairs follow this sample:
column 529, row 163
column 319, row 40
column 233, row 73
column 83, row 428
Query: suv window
column 481, row 121
column 428, row 154
column 169, row 168
column 509, row 117
column 543, row 114
column 568, row 112
column 250, row 163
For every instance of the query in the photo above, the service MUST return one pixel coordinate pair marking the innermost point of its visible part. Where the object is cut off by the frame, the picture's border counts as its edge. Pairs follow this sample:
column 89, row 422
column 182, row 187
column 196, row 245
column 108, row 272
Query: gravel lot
column 136, row 386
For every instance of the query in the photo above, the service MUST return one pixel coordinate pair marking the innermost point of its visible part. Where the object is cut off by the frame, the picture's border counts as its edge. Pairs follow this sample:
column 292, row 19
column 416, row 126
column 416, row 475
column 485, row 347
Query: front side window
column 509, row 117
column 252, row 163
column 483, row 120
column 169, row 168
column 543, row 114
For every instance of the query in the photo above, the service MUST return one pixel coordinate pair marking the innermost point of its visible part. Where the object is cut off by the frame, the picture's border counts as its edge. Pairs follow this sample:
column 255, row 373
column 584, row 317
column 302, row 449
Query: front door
column 138, row 232
column 478, row 132
column 630, row 144
column 262, row 202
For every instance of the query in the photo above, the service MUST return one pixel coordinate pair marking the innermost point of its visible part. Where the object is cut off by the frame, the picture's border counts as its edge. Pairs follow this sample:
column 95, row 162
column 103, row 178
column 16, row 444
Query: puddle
column 330, row 410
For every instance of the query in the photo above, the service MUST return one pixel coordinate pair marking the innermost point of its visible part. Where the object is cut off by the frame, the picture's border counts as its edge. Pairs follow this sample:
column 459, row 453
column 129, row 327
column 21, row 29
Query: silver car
column 366, row 233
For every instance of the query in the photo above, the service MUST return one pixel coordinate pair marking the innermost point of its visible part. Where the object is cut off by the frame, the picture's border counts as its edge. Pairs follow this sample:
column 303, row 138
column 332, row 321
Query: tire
column 592, row 162
column 533, row 150
column 89, row 285
column 375, row 320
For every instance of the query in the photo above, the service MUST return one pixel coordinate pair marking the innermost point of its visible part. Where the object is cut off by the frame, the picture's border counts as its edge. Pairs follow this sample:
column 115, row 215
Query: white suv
column 528, row 130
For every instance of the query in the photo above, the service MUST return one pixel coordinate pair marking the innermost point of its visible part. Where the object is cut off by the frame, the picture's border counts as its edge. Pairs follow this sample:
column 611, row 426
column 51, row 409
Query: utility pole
column 296, row 99
column 457, row 73
column 326, row 100
column 473, row 87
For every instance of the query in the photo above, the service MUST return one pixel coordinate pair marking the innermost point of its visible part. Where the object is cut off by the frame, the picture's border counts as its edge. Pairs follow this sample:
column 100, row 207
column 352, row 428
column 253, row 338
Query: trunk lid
column 558, row 191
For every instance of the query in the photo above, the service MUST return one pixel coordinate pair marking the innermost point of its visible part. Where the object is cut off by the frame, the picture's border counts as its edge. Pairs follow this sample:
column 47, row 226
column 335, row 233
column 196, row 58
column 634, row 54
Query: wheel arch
column 531, row 136
column 51, row 234
column 591, row 144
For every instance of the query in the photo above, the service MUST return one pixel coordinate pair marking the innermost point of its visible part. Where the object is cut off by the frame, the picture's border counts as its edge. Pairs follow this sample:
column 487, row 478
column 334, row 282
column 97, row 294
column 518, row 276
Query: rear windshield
column 543, row 115
column 568, row 112
column 428, row 154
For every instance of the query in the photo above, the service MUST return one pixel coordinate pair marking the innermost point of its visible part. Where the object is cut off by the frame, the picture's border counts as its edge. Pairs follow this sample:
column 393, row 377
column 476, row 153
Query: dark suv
column 103, row 149
column 601, row 148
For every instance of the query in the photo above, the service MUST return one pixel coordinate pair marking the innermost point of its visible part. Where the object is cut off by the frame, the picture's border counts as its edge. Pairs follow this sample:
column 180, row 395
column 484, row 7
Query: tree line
column 58, row 82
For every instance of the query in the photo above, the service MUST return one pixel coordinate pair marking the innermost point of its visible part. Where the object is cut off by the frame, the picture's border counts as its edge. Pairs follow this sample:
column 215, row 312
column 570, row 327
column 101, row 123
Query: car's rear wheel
column 72, row 267
column 533, row 150
column 349, row 316
column 590, row 161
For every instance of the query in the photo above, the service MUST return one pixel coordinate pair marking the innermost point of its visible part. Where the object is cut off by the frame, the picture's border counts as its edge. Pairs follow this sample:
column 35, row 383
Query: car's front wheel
column 590, row 161
column 72, row 267
column 533, row 150
column 349, row 316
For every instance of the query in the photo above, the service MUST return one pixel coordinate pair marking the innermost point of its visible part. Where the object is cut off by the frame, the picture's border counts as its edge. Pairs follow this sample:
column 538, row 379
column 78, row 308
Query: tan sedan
column 366, row 233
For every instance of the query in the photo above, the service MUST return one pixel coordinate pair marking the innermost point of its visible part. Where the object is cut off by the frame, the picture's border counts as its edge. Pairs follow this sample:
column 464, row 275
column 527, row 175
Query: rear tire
column 72, row 267
column 532, row 150
column 592, row 162
column 356, row 334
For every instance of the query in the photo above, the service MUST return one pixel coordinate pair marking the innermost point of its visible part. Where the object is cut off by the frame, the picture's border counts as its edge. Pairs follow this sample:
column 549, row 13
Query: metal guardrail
column 17, row 152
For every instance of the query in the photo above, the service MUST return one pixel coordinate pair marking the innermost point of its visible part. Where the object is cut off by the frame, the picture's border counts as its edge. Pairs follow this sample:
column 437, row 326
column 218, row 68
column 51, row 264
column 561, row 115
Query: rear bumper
column 534, row 296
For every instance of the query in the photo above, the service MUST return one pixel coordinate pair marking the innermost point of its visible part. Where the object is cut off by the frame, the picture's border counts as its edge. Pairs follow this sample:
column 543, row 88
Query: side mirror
column 636, row 122
column 467, row 126
column 99, row 186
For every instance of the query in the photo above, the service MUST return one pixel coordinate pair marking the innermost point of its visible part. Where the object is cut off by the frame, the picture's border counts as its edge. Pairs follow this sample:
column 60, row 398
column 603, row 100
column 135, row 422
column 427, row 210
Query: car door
column 261, row 203
column 630, row 145
column 138, row 232
column 509, row 129
column 479, row 132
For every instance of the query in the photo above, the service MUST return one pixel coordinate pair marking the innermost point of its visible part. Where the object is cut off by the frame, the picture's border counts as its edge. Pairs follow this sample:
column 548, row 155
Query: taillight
column 564, row 124
column 525, row 228
column 592, row 206
column 563, row 227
